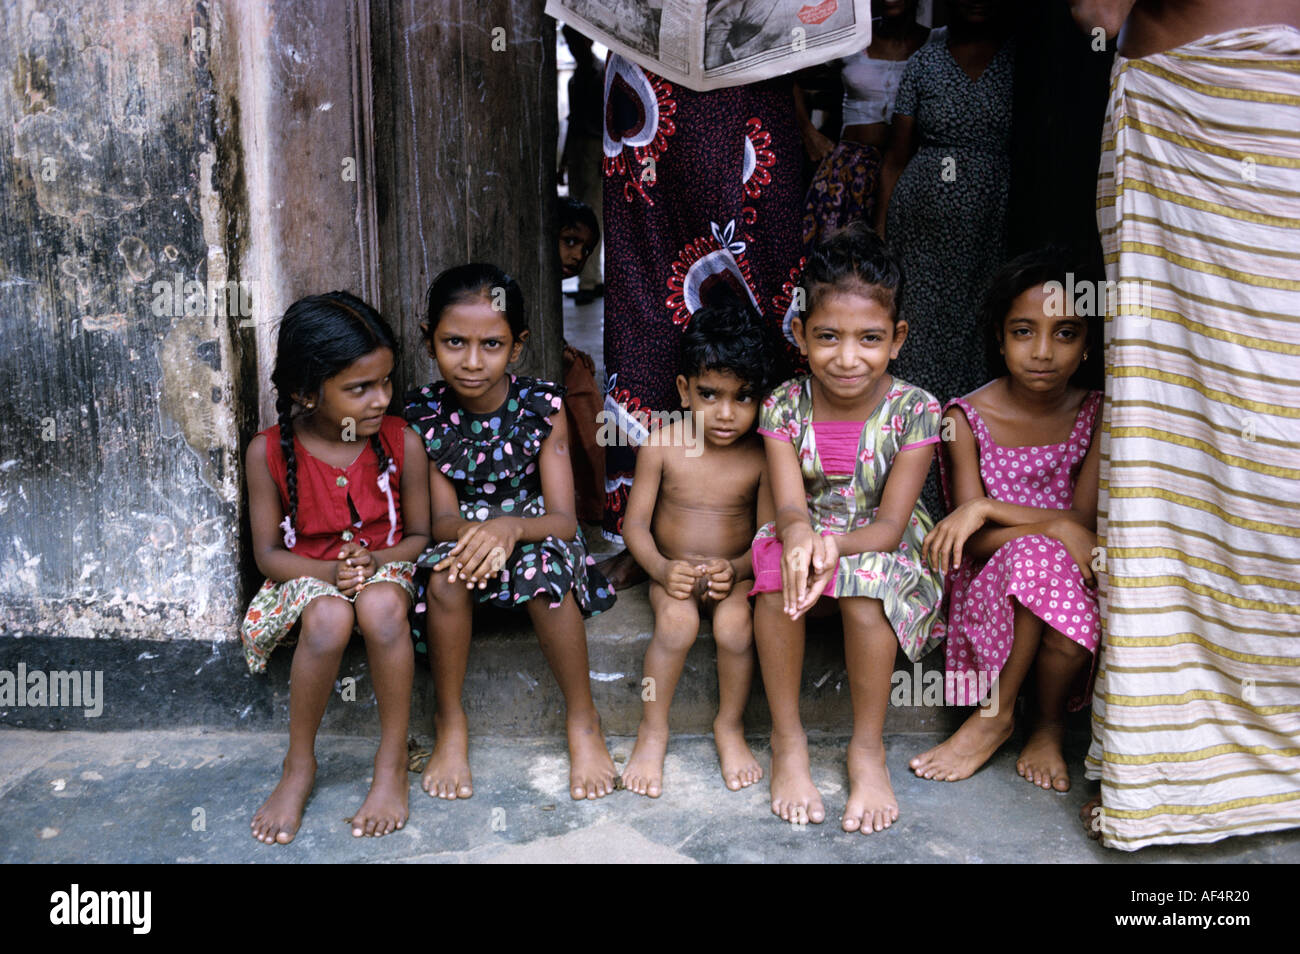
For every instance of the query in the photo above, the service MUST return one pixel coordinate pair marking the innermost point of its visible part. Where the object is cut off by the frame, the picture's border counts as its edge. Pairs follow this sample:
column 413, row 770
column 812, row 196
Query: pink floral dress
column 1036, row 570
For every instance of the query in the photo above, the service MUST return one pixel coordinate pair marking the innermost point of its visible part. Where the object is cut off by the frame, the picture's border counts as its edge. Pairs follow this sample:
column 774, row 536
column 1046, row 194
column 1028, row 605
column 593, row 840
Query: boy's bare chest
column 712, row 481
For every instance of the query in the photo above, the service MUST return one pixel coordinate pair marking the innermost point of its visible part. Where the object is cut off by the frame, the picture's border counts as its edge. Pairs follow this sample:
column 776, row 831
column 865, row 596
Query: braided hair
column 319, row 336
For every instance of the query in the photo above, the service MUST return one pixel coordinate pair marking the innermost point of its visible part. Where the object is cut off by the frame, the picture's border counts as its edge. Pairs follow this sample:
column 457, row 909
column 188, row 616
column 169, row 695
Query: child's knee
column 445, row 595
column 327, row 624
column 381, row 612
column 1063, row 645
column 677, row 622
column 733, row 632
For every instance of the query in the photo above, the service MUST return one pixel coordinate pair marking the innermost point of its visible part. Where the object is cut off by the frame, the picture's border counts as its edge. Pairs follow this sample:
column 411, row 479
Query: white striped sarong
column 1196, row 720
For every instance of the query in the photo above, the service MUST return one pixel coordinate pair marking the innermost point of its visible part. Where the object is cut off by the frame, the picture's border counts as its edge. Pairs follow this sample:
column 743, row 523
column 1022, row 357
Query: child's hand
column 355, row 566
column 796, row 558
column 679, row 579
column 945, row 542
column 719, row 576
column 1078, row 541
column 825, row 557
column 481, row 551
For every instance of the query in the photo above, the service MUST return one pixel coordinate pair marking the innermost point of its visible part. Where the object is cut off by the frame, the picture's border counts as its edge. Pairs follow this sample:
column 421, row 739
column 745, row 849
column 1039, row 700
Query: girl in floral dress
column 339, row 506
column 848, row 447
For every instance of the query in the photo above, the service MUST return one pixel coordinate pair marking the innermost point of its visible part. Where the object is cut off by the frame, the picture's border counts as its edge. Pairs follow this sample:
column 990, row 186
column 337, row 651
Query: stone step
column 509, row 690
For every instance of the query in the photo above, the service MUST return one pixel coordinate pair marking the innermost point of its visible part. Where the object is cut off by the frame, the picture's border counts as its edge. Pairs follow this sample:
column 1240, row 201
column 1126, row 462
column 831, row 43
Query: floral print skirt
column 277, row 607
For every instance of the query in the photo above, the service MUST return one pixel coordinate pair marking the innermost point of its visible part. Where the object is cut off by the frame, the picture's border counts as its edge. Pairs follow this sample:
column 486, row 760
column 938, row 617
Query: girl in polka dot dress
column 1020, row 467
column 503, row 524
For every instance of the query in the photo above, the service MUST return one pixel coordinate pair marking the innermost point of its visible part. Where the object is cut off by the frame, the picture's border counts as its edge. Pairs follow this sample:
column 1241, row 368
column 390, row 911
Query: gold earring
column 1085, row 356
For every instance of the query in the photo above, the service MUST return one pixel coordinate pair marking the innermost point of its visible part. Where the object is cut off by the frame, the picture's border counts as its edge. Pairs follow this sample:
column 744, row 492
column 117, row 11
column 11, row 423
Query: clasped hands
column 808, row 561
column 481, row 551
column 711, row 578
column 355, row 565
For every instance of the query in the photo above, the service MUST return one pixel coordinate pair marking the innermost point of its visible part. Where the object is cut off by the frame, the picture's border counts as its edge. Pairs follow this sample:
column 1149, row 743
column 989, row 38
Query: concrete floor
column 187, row 797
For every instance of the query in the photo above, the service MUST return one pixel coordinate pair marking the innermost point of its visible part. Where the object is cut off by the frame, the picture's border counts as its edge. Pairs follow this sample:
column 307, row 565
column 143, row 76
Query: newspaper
column 713, row 44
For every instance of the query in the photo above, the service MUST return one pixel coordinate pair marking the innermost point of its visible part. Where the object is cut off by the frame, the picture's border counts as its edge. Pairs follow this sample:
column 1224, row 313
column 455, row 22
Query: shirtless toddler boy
column 691, row 515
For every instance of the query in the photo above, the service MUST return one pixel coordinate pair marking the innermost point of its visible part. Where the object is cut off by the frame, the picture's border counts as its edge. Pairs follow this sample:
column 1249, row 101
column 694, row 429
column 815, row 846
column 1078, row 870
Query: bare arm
column 640, row 512
column 275, row 561
column 561, row 519
column 979, row 525
column 415, row 504
column 815, row 143
column 743, row 565
column 902, row 490
column 903, row 143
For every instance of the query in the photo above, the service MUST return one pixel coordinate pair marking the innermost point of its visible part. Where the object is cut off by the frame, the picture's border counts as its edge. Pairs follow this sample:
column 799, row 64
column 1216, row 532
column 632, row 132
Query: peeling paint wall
column 119, row 474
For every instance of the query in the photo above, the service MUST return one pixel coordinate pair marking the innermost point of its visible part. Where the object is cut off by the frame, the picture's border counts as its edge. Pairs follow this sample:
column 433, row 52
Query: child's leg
column 326, row 628
column 870, row 647
column 563, row 640
column 984, row 732
column 450, row 623
column 1042, row 761
column 780, row 642
column 382, row 615
column 733, row 633
column 677, row 623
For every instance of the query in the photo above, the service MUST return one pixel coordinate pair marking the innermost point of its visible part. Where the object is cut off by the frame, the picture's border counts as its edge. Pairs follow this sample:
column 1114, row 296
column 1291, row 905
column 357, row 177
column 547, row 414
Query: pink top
column 837, row 444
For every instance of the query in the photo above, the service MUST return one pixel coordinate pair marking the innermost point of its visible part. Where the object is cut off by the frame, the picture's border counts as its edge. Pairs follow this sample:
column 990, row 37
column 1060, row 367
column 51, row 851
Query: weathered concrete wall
column 119, row 477
column 177, row 174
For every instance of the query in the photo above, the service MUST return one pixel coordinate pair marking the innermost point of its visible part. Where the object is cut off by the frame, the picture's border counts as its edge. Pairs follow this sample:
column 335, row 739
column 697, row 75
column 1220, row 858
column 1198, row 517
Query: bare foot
column 384, row 809
column 447, row 774
column 1090, row 814
column 622, row 570
column 966, row 750
column 872, row 805
column 277, row 821
column 644, row 772
column 1042, row 761
column 591, row 770
column 739, row 767
column 794, row 796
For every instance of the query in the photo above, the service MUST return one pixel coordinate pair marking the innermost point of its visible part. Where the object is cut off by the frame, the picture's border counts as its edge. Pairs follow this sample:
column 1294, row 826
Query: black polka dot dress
column 492, row 459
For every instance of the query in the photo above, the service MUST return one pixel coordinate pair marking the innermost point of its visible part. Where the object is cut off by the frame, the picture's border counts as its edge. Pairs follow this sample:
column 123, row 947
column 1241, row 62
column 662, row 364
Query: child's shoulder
column 787, row 392
column 909, row 396
column 536, row 396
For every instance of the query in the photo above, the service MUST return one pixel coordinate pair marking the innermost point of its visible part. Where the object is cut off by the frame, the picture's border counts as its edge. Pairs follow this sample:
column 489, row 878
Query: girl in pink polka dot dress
column 1020, row 467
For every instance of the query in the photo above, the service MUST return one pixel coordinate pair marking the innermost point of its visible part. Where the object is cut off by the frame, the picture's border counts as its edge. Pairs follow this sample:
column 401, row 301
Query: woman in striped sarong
column 1196, row 720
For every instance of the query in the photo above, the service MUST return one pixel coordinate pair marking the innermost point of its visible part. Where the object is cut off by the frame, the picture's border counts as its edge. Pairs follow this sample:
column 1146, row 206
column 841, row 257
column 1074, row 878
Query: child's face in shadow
column 1042, row 350
column 354, row 401
column 849, row 340
column 576, row 246
column 724, row 407
column 473, row 345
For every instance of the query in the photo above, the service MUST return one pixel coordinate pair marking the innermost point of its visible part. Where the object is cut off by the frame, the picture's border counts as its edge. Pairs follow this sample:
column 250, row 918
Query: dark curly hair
column 319, row 336
column 729, row 337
